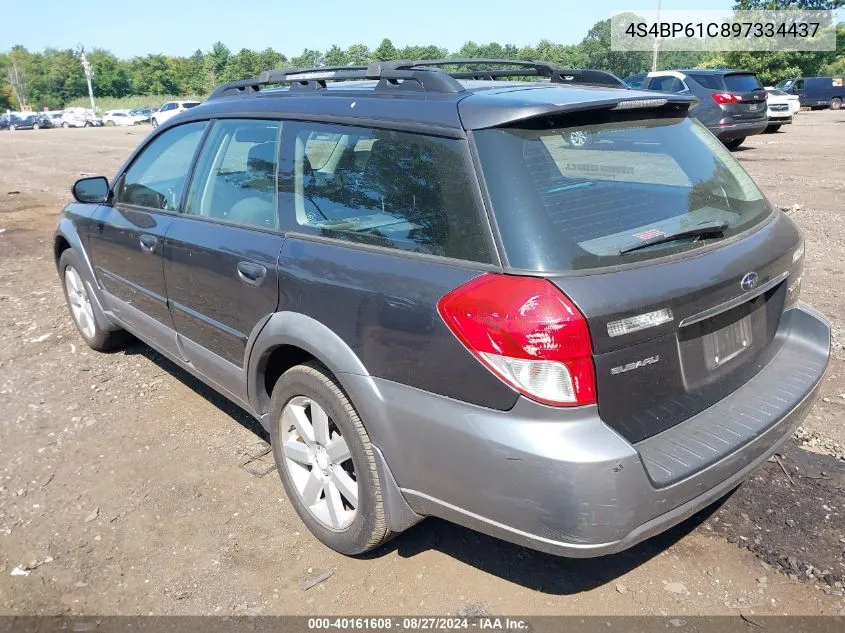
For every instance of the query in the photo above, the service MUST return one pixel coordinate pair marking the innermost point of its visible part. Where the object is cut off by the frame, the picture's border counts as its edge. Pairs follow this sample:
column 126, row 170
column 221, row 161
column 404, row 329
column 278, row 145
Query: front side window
column 586, row 191
column 405, row 191
column 235, row 178
column 156, row 179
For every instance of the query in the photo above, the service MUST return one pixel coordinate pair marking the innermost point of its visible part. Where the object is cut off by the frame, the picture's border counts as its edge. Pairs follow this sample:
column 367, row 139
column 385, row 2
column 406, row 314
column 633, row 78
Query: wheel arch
column 65, row 238
column 288, row 339
column 291, row 338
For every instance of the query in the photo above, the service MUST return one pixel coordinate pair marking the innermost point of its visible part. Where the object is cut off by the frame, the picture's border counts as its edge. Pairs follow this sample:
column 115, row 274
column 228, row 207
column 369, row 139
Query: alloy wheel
column 80, row 302
column 319, row 462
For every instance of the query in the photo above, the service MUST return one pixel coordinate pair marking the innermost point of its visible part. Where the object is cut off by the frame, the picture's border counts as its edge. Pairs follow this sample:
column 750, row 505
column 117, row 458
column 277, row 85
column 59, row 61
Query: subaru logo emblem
column 749, row 281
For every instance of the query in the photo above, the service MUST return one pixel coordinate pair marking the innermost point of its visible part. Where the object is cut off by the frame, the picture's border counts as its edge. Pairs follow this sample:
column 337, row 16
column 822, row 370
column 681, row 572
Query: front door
column 126, row 238
column 221, row 251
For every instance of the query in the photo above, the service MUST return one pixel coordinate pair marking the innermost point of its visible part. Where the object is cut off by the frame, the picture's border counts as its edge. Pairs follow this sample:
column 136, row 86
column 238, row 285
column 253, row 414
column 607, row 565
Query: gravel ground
column 128, row 487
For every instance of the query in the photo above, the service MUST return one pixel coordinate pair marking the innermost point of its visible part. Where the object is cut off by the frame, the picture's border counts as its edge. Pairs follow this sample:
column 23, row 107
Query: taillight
column 725, row 97
column 528, row 333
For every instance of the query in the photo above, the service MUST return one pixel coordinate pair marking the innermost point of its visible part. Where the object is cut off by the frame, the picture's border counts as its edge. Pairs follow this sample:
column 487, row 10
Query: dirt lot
column 127, row 487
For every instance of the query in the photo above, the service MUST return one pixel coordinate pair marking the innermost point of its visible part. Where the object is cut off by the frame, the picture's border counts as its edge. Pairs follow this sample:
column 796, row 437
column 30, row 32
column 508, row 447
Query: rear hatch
column 747, row 97
column 663, row 242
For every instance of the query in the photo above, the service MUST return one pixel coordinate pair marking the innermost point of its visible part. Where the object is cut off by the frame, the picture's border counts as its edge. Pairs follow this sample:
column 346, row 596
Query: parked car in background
column 142, row 114
column 55, row 117
column 169, row 110
column 731, row 103
column 816, row 92
column 778, row 110
column 44, row 120
column 793, row 100
column 80, row 117
column 4, row 122
column 26, row 121
column 610, row 342
column 120, row 117
column 636, row 81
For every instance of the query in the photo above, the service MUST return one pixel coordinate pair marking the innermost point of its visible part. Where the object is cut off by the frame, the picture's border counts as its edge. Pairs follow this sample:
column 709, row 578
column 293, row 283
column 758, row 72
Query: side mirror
column 91, row 190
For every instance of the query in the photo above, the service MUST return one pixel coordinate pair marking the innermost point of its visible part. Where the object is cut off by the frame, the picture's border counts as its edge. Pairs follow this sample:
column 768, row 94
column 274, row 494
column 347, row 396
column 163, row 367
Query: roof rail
column 315, row 78
column 416, row 75
column 526, row 68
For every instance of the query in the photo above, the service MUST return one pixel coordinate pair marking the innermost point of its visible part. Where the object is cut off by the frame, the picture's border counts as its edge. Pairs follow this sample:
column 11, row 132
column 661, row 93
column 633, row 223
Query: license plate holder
column 725, row 344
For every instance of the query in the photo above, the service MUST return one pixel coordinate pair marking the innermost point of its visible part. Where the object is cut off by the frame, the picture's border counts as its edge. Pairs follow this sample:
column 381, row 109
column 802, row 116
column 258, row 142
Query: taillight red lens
column 725, row 97
column 528, row 333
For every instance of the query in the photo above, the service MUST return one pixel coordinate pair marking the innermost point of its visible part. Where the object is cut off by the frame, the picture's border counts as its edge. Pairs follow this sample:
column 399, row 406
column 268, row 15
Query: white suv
column 171, row 109
column 120, row 117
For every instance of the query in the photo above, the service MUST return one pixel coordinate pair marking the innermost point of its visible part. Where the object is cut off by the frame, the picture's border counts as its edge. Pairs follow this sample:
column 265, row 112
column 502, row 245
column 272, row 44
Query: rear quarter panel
column 384, row 307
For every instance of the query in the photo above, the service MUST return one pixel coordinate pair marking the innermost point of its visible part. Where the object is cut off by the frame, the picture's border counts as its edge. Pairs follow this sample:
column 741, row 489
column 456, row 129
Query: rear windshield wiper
column 707, row 229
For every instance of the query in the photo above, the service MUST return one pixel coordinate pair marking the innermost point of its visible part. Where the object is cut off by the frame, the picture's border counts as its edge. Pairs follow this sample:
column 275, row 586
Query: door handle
column 252, row 274
column 148, row 243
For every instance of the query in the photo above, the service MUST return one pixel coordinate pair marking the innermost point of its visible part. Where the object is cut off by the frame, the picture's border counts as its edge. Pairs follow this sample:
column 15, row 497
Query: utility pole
column 89, row 73
column 654, row 52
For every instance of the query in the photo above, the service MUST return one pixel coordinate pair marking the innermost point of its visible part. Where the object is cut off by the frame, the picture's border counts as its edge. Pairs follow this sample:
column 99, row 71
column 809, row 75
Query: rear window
column 745, row 82
column 575, row 196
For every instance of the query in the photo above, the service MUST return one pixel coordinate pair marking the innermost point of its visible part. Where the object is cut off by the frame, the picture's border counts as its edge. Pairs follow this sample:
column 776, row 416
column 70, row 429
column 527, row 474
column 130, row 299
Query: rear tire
column 110, row 123
column 83, row 309
column 36, row 126
column 65, row 125
column 835, row 103
column 325, row 459
column 734, row 143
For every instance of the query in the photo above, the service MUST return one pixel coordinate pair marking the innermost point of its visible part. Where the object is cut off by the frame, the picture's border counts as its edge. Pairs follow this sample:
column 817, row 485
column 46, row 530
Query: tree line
column 53, row 77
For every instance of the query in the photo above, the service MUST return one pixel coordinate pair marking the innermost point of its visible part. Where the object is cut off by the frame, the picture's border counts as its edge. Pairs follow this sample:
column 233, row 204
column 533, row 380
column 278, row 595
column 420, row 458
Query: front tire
column 65, row 125
column 154, row 123
column 835, row 103
column 734, row 143
column 83, row 309
column 36, row 126
column 772, row 129
column 325, row 459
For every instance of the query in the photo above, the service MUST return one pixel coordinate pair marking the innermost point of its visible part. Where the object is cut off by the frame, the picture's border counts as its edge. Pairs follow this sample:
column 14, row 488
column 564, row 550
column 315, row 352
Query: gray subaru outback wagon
column 522, row 298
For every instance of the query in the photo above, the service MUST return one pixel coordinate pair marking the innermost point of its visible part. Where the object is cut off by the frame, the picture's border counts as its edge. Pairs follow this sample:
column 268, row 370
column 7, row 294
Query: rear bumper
column 729, row 131
column 563, row 482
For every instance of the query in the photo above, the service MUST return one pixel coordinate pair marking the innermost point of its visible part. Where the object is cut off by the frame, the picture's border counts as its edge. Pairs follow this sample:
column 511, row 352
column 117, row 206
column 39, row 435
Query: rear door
column 221, row 251
column 126, row 238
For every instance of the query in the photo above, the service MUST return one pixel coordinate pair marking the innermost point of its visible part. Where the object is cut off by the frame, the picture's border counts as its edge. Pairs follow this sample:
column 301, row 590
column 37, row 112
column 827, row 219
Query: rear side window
column 190, row 104
column 235, row 178
column 744, row 82
column 405, row 191
column 576, row 193
column 156, row 179
column 711, row 82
